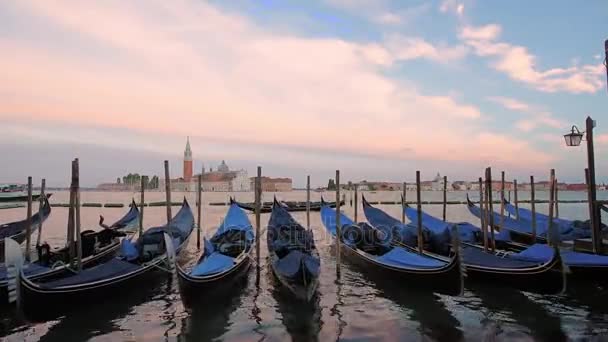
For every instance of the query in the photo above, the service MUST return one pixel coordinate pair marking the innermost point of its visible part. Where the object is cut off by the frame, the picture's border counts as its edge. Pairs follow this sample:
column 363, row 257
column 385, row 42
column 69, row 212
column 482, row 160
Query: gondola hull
column 303, row 285
column 102, row 256
column 447, row 280
column 40, row 303
column 195, row 289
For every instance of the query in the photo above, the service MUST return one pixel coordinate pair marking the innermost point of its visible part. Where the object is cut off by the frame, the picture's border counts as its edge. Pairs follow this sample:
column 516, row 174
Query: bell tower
column 187, row 161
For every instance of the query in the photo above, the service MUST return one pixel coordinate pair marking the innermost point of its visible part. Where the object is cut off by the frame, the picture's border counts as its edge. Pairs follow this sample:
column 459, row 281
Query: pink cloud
column 519, row 64
column 407, row 48
column 602, row 138
column 182, row 76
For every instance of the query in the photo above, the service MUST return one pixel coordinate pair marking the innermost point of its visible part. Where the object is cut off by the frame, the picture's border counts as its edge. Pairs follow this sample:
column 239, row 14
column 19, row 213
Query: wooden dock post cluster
column 74, row 242
column 42, row 199
column 28, row 229
column 258, row 209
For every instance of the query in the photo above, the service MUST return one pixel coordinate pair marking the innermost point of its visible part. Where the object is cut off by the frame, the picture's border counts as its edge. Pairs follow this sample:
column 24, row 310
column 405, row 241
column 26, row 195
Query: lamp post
column 574, row 138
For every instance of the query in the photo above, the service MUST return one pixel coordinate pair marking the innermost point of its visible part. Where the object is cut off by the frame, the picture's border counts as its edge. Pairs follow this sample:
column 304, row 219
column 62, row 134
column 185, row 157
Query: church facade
column 223, row 179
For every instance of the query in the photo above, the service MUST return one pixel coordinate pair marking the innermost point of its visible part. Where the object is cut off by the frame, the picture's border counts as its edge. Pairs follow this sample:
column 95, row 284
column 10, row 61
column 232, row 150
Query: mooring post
column 28, row 227
column 490, row 207
column 533, row 208
column 77, row 215
column 404, row 192
column 515, row 199
column 338, row 225
column 419, row 213
column 556, row 199
column 42, row 201
column 502, row 199
column 552, row 238
column 356, row 202
column 308, row 202
column 258, row 209
column 482, row 215
column 199, row 221
column 70, row 242
column 445, row 196
column 168, row 191
column 142, row 203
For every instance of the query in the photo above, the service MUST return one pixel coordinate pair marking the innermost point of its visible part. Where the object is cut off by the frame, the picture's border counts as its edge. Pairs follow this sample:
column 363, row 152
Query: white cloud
column 180, row 74
column 453, row 6
column 520, row 65
column 536, row 115
column 407, row 48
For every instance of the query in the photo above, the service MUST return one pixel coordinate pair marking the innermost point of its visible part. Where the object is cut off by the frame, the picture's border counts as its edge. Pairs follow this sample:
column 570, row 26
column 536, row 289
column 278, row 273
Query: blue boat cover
column 382, row 221
column 399, row 257
column 213, row 263
column 128, row 250
column 130, row 220
column 290, row 264
column 107, row 270
column 441, row 230
column 28, row 270
column 395, row 257
column 542, row 252
column 509, row 223
column 474, row 256
column 236, row 219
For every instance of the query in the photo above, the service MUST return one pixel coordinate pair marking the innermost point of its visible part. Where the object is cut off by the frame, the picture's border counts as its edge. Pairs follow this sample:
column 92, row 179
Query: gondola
column 18, row 230
column 294, row 258
column 96, row 247
column 19, row 196
column 378, row 256
column 520, row 232
column 226, row 258
column 544, row 276
column 568, row 229
column 137, row 263
column 289, row 206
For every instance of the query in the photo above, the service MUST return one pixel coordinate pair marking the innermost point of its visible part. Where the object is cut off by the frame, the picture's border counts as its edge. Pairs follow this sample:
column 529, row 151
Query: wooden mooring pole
column 356, row 202
column 445, row 196
column 490, row 207
column 28, row 227
column 258, row 210
column 308, row 202
column 556, row 199
column 515, row 199
column 42, row 201
column 403, row 194
column 482, row 215
column 142, row 203
column 338, row 225
column 199, row 220
column 533, row 208
column 552, row 238
column 77, row 215
column 168, row 191
column 502, row 199
column 419, row 213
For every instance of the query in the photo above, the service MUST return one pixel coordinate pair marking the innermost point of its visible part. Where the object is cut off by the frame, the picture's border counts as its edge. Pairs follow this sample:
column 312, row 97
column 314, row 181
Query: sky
column 375, row 88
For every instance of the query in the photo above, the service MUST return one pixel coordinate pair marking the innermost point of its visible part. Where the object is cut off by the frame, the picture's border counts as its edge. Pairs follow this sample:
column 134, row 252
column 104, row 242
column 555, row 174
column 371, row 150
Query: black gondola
column 287, row 205
column 97, row 247
column 226, row 258
column 153, row 251
column 540, row 276
column 18, row 230
column 294, row 258
column 362, row 246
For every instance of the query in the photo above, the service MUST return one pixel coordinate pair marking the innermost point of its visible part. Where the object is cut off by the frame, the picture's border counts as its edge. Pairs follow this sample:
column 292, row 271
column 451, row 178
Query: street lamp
column 574, row 137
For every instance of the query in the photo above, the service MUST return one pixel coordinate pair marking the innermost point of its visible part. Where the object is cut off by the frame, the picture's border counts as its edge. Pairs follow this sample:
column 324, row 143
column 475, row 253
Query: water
column 356, row 308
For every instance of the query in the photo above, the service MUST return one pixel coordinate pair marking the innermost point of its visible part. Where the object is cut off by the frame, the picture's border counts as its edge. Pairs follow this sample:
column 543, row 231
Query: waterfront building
column 273, row 184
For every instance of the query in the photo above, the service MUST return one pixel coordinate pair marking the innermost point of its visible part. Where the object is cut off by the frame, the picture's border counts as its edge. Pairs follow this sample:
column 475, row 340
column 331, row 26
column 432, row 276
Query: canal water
column 355, row 308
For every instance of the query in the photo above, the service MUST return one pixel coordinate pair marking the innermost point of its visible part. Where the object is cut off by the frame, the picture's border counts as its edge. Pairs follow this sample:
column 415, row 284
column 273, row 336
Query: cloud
column 408, row 48
column 388, row 18
column 452, row 6
column 537, row 115
column 602, row 139
column 519, row 64
column 174, row 72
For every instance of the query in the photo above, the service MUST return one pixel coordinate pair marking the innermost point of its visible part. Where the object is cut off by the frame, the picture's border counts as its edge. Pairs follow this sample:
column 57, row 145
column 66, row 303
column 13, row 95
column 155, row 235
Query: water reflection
column 436, row 321
column 95, row 320
column 509, row 305
column 209, row 318
column 302, row 319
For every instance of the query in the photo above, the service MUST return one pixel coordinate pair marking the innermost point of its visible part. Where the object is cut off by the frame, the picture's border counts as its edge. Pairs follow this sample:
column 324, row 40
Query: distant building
column 273, row 184
column 221, row 180
column 461, row 185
